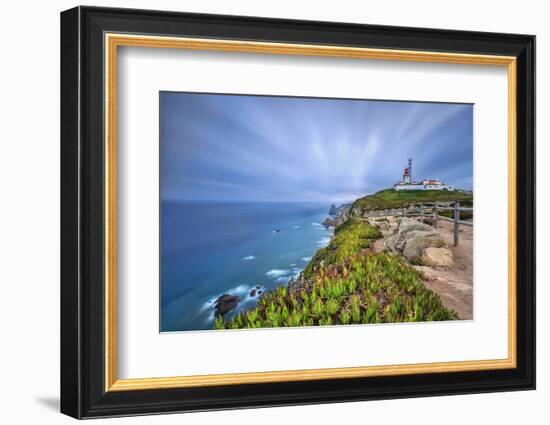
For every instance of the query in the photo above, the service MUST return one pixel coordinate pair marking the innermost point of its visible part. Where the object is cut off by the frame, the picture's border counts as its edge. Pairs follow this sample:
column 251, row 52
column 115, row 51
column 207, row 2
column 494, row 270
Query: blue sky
column 262, row 148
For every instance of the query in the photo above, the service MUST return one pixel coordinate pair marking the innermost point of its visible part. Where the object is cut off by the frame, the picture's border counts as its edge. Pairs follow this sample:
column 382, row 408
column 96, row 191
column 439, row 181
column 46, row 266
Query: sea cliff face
column 337, row 215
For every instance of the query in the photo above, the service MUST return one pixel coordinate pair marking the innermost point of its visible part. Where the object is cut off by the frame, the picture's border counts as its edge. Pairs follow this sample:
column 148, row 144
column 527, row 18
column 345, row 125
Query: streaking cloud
column 266, row 148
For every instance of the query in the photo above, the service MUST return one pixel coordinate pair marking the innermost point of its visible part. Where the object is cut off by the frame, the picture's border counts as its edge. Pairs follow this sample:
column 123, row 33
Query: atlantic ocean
column 208, row 249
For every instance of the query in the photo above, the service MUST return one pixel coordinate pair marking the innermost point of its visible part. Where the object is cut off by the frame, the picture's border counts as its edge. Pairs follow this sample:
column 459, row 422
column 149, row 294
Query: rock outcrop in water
column 225, row 303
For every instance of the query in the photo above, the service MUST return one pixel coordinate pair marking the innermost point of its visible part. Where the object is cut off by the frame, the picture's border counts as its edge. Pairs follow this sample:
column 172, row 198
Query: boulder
column 406, row 227
column 384, row 225
column 389, row 243
column 432, row 256
column 411, row 238
column 417, row 241
column 225, row 303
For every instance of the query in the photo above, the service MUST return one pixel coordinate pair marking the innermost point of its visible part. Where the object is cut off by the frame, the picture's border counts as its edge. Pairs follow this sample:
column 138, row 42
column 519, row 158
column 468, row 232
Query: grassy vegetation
column 350, row 238
column 389, row 198
column 351, row 286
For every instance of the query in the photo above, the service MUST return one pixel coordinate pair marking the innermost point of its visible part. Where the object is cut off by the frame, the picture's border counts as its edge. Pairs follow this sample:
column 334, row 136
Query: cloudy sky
column 260, row 148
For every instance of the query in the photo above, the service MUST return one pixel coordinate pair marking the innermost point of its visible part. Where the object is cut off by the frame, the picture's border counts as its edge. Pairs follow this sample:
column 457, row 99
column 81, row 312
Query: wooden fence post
column 456, row 218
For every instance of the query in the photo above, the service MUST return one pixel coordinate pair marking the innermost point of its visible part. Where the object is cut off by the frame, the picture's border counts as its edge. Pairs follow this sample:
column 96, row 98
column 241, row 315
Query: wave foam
column 239, row 290
column 277, row 272
column 208, row 304
column 249, row 257
column 323, row 241
column 296, row 272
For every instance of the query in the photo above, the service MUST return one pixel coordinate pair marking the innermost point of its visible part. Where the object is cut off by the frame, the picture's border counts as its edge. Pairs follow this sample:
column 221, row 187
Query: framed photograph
column 261, row 212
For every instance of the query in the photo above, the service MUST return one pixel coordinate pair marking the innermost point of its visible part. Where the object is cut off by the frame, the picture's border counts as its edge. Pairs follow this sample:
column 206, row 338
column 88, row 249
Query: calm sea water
column 211, row 248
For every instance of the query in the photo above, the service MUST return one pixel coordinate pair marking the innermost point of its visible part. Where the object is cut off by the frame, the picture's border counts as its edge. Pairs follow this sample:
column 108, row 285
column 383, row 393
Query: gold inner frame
column 113, row 41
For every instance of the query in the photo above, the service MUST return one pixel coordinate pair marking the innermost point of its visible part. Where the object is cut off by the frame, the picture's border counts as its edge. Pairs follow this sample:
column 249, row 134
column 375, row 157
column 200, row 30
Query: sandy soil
column 453, row 284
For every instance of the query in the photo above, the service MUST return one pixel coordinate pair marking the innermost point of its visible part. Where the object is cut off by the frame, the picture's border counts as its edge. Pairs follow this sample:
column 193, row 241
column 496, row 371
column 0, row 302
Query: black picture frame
column 83, row 392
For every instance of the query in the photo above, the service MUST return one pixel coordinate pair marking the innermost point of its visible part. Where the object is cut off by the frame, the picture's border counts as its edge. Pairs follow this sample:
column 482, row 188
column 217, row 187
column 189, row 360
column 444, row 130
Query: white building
column 428, row 184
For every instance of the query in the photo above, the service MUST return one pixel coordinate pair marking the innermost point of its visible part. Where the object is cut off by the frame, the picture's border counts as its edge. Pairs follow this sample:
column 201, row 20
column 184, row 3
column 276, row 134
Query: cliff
column 337, row 215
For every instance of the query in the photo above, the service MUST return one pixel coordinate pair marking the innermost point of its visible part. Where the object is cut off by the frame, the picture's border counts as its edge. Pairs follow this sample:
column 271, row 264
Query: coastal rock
column 389, row 243
column 337, row 215
column 397, row 241
column 341, row 211
column 383, row 226
column 442, row 257
column 296, row 284
column 407, row 225
column 331, row 222
column 417, row 241
column 253, row 292
column 411, row 238
column 393, row 226
column 225, row 303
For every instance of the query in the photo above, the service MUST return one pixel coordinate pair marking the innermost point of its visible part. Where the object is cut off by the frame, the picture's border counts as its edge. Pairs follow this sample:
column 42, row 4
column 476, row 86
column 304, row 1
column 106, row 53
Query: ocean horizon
column 211, row 248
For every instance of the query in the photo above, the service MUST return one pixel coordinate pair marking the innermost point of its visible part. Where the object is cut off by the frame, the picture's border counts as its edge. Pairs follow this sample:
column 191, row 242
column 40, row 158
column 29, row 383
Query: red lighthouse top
column 406, row 172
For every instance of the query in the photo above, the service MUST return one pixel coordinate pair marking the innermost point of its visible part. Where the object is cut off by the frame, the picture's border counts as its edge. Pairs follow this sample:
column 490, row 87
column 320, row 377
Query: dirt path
column 453, row 284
